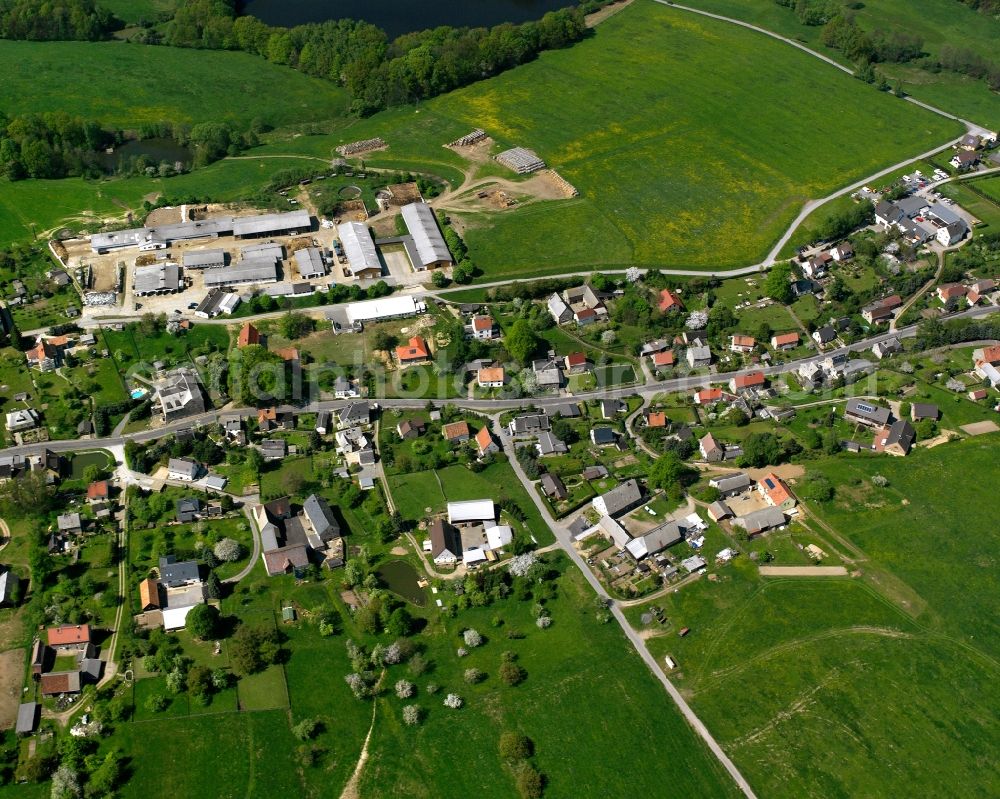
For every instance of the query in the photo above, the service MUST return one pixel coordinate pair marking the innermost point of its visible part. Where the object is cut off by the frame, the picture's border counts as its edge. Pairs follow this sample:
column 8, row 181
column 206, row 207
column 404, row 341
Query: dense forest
column 54, row 19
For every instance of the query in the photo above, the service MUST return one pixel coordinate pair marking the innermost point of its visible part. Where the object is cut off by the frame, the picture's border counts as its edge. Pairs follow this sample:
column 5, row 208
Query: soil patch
column 980, row 428
column 803, row 571
column 11, row 675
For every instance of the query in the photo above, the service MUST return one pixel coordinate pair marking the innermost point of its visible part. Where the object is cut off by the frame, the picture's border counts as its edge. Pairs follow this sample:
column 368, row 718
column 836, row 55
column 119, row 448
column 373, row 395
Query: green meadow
column 125, row 85
column 937, row 22
column 883, row 684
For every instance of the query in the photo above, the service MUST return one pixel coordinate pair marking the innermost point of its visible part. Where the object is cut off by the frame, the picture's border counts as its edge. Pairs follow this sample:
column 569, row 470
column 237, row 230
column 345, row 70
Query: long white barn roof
column 420, row 221
column 383, row 308
column 472, row 510
column 359, row 246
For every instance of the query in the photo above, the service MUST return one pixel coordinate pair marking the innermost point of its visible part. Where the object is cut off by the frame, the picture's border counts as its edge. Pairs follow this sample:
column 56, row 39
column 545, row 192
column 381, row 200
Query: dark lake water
column 401, row 578
column 157, row 149
column 396, row 17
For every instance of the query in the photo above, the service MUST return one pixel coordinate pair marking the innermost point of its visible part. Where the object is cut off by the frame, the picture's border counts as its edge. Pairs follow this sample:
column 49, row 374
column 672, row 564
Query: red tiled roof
column 98, row 490
column 669, row 300
column 414, row 350
column 248, row 335
column 287, row 353
column 69, row 634
column 665, row 358
column 785, row 338
column 656, row 419
column 744, row 341
column 455, row 430
column 576, row 359
column 494, row 374
column 483, row 438
column 752, row 379
column 267, row 415
column 482, row 323
column 775, row 488
column 709, row 395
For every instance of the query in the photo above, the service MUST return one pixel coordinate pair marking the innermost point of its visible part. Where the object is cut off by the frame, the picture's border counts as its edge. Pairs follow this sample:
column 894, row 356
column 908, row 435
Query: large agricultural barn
column 432, row 251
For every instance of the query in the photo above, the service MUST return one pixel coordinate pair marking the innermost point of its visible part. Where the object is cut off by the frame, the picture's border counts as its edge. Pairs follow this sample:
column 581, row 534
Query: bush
column 306, row 729
column 203, row 621
column 529, row 782
column 473, row 676
column 512, row 674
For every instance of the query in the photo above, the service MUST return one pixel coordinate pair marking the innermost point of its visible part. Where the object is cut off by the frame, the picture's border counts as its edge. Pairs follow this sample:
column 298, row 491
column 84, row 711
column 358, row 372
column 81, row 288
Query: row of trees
column 358, row 55
column 64, row 19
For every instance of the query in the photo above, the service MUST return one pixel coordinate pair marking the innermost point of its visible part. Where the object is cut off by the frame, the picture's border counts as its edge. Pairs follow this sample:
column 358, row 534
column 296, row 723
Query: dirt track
column 11, row 674
column 803, row 571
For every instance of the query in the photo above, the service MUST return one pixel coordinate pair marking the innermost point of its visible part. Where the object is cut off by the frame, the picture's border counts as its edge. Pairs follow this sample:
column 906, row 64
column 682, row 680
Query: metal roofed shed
column 217, row 301
column 269, row 249
column 521, row 160
column 384, row 308
column 263, row 270
column 270, row 224
column 203, row 259
column 359, row 246
column 156, row 279
column 309, row 262
column 473, row 510
column 431, row 247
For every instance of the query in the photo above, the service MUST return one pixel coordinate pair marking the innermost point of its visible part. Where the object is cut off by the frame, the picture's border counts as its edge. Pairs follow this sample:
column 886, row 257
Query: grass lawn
column 129, row 84
column 581, row 676
column 935, row 23
column 985, row 209
column 263, row 691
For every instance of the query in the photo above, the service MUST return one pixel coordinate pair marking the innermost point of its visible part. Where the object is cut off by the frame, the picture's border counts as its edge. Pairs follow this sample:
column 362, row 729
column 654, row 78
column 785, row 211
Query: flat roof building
column 384, row 308
column 272, row 224
column 432, row 250
column 310, row 262
column 156, row 279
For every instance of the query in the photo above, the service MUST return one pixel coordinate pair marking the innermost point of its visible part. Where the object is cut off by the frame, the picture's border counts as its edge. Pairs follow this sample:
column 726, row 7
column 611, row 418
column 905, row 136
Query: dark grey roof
column 271, row 223
column 321, row 517
column 173, row 571
column 354, row 413
column 569, row 411
column 925, row 410
column 763, row 519
column 27, row 718
column 868, row 410
column 731, row 482
column 91, row 668
column 901, row 433
column 622, row 497
column 552, row 485
column 603, row 435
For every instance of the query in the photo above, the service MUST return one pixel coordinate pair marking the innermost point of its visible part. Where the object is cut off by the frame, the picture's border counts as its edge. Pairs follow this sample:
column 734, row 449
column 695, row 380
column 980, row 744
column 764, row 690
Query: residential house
column 183, row 469
column 570, row 410
column 44, row 356
column 586, row 316
column 876, row 313
column 698, row 356
column 964, row 161
column 896, row 439
column 655, row 419
column 69, row 637
column 483, row 328
column 176, row 573
column 284, row 546
column 655, row 346
column 528, row 424
column 843, row 251
column 739, row 343
column 484, row 440
column 354, row 414
column 816, row 267
column 492, row 377
column 559, row 310
column 553, row 487
column 978, row 394
column 179, row 394
column 776, row 492
column 785, row 341
column 321, row 526
column 825, row 335
column 670, row 301
column 69, row 524
column 866, row 413
column 760, row 521
column 597, row 472
column 729, row 485
column 970, row 142
column 707, row 396
column 414, row 351
column 611, row 408
column 273, row 449
column 603, row 436
column 655, row 540
column 951, row 234
column 883, row 349
column 951, row 291
column 577, row 363
column 663, row 360
column 345, row 388
column 188, row 509
column 446, row 543
column 456, row 432
column 711, row 450
column 324, row 420
column 248, row 336
column 98, row 491
column 410, row 428
column 548, row 374
column 620, row 499
column 924, row 410
column 751, row 380
column 548, row 444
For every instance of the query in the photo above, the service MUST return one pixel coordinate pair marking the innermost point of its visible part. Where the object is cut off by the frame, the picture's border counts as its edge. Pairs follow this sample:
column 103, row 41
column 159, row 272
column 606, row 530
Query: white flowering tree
column 454, row 701
column 404, row 689
column 392, row 654
column 520, row 565
column 472, row 638
column 543, row 622
column 632, row 274
column 228, row 550
column 608, row 337
column 357, row 685
column 411, row 715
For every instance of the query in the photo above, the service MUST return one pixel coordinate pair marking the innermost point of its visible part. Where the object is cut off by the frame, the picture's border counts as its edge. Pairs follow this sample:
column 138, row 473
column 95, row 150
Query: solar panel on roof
column 865, row 408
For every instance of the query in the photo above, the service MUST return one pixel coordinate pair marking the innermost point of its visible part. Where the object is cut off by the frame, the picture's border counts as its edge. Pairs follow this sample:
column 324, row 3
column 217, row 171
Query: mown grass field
column 675, row 162
column 882, row 685
column 937, row 22
column 986, row 209
column 127, row 84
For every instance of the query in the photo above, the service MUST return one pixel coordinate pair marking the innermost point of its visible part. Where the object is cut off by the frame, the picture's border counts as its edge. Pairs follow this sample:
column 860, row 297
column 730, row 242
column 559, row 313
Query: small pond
column 80, row 462
column 156, row 150
column 402, row 579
